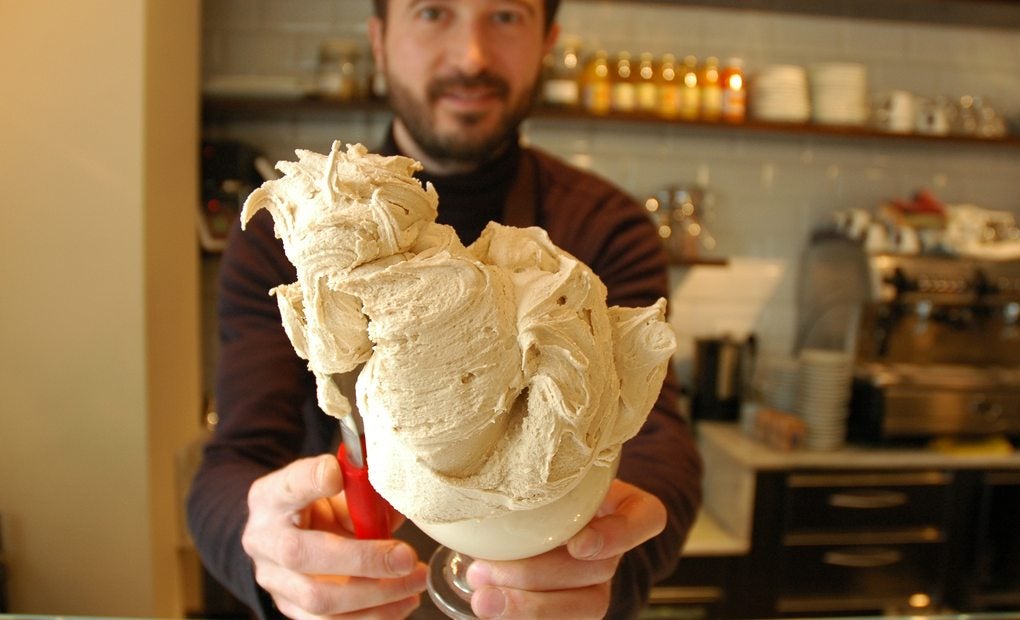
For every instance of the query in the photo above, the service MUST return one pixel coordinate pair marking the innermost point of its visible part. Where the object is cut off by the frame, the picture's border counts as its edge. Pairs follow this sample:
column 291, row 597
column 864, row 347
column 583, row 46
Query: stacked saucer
column 779, row 93
column 823, row 396
column 839, row 93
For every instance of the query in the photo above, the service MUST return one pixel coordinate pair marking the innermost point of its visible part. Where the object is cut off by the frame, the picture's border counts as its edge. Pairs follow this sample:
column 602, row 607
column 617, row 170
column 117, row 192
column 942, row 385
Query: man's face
column 461, row 73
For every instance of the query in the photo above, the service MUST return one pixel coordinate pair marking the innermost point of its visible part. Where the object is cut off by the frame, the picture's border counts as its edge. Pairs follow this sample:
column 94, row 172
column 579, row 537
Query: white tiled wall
column 769, row 190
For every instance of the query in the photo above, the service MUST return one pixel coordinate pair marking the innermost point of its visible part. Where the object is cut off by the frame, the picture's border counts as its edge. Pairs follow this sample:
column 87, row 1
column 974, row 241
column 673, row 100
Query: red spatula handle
column 369, row 511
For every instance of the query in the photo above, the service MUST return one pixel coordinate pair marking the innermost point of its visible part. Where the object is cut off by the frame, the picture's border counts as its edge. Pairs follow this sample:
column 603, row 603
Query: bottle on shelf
column 596, row 84
column 670, row 87
column 711, row 89
column 734, row 91
column 562, row 75
column 647, row 84
column 690, row 100
column 341, row 72
column 624, row 98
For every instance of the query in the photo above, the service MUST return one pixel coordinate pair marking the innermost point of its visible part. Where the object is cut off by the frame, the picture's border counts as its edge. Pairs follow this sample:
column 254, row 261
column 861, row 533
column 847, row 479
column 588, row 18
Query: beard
column 464, row 144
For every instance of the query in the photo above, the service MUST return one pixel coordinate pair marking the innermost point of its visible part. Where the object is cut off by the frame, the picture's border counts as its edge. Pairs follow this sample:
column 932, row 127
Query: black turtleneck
column 469, row 201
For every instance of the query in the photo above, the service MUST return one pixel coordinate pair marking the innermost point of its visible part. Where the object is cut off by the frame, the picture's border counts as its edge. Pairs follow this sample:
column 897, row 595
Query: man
column 273, row 526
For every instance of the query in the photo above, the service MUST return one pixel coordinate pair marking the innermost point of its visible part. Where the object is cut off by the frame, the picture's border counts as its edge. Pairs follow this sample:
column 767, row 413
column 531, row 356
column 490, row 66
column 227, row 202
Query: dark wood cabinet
column 986, row 575
column 862, row 530
column 841, row 543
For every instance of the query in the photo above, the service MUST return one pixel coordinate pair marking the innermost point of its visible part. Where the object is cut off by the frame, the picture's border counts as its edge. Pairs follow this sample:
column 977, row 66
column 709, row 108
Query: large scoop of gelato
column 494, row 375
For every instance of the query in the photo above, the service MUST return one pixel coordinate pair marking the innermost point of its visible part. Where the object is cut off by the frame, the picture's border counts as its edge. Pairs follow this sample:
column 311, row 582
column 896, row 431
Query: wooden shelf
column 999, row 14
column 706, row 261
column 222, row 109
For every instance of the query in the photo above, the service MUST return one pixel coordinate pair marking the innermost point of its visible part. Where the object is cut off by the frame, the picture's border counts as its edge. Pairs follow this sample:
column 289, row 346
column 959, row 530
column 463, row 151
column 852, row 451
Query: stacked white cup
column 823, row 396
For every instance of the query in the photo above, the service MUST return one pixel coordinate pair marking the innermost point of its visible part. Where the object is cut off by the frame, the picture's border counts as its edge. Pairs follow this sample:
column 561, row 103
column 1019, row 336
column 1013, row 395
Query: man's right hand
column 300, row 537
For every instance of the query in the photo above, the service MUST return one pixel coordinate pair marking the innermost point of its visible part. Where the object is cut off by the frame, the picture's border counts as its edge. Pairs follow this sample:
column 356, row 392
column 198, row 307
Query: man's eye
column 507, row 17
column 430, row 14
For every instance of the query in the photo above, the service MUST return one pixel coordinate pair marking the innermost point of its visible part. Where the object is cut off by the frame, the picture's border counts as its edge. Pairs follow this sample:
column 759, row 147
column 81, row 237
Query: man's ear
column 376, row 30
column 550, row 38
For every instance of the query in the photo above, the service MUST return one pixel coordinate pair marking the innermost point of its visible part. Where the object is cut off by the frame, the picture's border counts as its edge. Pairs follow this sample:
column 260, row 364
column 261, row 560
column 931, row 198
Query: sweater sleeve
column 611, row 233
column 262, row 387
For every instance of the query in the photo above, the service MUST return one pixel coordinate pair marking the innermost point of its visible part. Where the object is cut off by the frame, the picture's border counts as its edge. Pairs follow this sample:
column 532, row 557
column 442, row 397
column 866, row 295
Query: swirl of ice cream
column 494, row 376
column 335, row 213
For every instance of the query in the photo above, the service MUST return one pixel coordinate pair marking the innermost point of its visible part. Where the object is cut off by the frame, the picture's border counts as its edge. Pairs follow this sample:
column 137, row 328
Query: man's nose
column 469, row 48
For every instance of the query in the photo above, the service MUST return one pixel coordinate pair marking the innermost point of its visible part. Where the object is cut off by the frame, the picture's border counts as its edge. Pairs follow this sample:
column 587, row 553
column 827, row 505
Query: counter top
column 754, row 454
column 709, row 538
column 732, row 460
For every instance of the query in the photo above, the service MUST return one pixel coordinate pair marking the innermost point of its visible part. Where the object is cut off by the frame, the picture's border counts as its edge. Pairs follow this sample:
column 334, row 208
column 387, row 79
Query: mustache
column 440, row 86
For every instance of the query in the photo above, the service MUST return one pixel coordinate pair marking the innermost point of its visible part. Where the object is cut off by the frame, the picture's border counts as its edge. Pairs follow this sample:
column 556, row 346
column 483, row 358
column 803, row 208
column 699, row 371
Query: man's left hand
column 573, row 580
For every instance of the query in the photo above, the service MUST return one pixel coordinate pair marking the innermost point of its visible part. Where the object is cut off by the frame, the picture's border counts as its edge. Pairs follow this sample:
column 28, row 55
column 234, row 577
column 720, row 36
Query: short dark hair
column 551, row 6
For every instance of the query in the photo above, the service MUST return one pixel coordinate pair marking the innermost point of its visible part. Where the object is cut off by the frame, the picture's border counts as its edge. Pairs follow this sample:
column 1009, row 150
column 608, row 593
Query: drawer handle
column 872, row 558
column 868, row 500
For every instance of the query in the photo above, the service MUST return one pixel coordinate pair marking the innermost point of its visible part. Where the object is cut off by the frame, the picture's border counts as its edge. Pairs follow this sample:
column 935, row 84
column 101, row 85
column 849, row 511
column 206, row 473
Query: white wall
column 770, row 190
column 98, row 325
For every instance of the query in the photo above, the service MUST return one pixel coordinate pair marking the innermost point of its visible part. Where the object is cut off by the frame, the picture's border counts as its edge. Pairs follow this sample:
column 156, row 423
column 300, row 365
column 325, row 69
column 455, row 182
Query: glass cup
column 507, row 536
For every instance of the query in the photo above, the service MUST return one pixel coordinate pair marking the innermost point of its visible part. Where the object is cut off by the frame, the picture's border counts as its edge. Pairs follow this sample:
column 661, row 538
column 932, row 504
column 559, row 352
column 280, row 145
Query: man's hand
column 299, row 536
column 571, row 581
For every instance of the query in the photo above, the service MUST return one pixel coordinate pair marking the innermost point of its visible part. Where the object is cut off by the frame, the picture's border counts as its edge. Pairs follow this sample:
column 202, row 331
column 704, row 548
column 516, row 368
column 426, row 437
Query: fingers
column 552, row 585
column 554, row 570
column 314, row 552
column 306, row 558
column 298, row 595
column 397, row 611
column 580, row 603
column 573, row 580
column 628, row 517
column 289, row 490
column 283, row 503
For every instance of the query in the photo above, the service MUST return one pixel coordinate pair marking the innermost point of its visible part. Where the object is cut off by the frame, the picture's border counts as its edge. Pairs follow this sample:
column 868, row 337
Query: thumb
column 298, row 484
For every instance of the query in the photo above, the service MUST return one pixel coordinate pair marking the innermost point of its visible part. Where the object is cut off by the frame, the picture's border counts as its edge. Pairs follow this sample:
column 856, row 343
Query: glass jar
column 734, row 91
column 709, row 79
column 596, row 85
column 624, row 98
column 688, row 235
column 647, row 85
column 660, row 209
column 670, row 87
column 562, row 75
column 340, row 70
column 690, row 100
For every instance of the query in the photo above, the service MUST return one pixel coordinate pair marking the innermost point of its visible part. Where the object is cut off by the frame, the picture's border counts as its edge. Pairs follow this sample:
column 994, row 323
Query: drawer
column 833, row 578
column 866, row 500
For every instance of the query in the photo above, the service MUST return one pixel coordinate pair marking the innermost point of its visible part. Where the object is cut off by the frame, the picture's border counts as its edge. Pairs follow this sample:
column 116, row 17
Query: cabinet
column 989, row 570
column 850, row 542
column 862, row 530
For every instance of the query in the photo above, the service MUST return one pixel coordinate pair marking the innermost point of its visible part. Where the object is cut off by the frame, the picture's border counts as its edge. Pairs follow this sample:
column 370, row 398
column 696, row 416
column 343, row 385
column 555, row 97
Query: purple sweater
column 268, row 415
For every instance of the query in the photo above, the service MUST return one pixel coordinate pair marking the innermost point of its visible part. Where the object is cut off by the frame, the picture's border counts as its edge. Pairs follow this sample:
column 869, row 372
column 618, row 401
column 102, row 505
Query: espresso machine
column 936, row 339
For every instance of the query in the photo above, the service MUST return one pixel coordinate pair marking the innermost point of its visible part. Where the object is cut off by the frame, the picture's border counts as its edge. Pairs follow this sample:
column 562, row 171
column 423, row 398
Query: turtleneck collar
column 469, row 201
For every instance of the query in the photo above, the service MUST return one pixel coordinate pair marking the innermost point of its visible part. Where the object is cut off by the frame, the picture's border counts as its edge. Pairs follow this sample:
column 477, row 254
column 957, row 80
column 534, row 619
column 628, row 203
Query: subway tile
column 307, row 15
column 214, row 55
column 231, row 14
column 818, row 39
column 874, row 41
column 260, row 52
column 356, row 129
column 726, row 33
column 952, row 47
